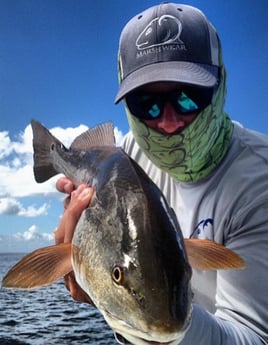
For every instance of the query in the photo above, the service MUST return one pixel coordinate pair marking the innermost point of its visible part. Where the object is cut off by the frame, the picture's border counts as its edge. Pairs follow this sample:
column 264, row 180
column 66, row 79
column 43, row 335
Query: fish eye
column 118, row 275
column 52, row 147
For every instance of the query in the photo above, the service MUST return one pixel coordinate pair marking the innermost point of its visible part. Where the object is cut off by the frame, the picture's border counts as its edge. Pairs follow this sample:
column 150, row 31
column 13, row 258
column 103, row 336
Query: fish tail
column 42, row 141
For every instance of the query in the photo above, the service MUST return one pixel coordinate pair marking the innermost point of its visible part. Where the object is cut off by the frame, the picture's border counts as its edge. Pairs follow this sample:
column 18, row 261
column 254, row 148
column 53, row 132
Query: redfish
column 127, row 253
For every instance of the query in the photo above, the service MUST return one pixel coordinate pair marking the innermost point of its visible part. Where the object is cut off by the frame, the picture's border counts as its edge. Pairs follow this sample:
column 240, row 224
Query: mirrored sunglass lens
column 150, row 107
column 154, row 111
column 144, row 106
column 186, row 104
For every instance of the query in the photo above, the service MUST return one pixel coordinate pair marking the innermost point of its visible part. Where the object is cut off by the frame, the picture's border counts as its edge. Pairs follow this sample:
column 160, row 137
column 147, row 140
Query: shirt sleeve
column 242, row 294
column 241, row 316
column 206, row 329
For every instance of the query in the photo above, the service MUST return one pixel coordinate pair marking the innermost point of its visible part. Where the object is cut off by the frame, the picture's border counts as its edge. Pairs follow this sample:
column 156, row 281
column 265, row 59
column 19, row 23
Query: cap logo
column 161, row 31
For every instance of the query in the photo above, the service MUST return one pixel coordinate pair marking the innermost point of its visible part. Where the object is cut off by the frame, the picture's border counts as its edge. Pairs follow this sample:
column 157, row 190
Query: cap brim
column 173, row 71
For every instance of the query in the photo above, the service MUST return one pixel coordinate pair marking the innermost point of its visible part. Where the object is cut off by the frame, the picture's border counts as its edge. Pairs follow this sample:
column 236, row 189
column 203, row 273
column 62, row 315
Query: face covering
column 194, row 153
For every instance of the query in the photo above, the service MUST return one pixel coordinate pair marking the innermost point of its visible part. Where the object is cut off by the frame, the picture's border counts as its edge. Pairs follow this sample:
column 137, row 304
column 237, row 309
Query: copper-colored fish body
column 128, row 252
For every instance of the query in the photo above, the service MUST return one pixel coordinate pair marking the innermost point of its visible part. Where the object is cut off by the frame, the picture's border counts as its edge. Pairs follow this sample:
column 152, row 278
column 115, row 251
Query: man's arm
column 74, row 205
column 207, row 329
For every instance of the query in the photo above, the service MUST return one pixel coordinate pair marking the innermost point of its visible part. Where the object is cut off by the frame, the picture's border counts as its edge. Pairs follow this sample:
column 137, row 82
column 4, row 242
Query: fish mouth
column 123, row 341
column 126, row 334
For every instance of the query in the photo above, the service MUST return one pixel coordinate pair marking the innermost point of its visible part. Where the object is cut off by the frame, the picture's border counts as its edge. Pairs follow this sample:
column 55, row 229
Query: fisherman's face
column 168, row 107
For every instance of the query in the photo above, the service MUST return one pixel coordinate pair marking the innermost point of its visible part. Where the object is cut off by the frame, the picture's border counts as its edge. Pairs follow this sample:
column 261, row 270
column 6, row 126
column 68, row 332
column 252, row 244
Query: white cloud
column 11, row 206
column 5, row 148
column 31, row 211
column 25, row 242
column 16, row 170
column 119, row 136
column 33, row 234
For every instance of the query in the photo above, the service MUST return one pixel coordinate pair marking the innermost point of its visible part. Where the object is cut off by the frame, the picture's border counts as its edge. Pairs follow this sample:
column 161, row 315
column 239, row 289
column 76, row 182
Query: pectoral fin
column 40, row 268
column 209, row 255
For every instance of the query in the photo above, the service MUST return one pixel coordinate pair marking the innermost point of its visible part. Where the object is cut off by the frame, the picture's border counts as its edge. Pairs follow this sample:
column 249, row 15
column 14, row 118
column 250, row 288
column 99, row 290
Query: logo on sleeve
column 203, row 229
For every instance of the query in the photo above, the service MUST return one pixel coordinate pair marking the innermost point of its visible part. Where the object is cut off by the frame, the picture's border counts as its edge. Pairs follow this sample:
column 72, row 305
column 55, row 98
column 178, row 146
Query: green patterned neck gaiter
column 193, row 154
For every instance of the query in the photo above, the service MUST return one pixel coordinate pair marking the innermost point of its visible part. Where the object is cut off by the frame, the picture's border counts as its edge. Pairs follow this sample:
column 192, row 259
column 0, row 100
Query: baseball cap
column 168, row 42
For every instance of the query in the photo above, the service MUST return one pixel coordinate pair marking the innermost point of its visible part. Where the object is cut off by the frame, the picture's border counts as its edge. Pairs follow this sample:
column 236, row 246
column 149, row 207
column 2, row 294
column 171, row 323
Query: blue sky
column 58, row 65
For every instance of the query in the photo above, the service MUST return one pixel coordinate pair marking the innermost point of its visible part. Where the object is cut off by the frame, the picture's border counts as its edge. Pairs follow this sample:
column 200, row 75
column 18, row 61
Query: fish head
column 142, row 286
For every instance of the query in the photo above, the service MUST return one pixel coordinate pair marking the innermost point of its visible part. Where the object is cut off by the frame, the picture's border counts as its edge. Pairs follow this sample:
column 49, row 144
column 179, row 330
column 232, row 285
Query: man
column 212, row 171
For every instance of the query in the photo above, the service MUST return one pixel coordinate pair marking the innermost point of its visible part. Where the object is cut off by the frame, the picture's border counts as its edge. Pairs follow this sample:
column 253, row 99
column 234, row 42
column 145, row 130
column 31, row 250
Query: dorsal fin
column 102, row 135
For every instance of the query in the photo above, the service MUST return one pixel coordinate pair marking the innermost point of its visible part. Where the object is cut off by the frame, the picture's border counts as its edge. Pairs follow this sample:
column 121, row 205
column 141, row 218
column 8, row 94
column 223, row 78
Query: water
column 47, row 316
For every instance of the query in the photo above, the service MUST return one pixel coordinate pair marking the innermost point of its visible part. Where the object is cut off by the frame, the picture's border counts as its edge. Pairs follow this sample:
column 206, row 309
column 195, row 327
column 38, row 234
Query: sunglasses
column 186, row 101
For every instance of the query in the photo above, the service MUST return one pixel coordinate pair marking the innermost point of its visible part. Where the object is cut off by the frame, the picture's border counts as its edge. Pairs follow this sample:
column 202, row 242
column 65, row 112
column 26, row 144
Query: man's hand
column 78, row 200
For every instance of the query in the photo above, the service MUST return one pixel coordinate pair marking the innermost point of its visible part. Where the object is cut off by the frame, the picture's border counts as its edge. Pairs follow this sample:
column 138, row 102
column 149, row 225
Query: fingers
column 80, row 199
column 65, row 185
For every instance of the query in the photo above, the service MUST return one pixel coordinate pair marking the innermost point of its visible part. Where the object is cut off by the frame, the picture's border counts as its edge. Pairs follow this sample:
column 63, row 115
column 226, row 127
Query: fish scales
column 126, row 229
column 127, row 219
column 128, row 253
